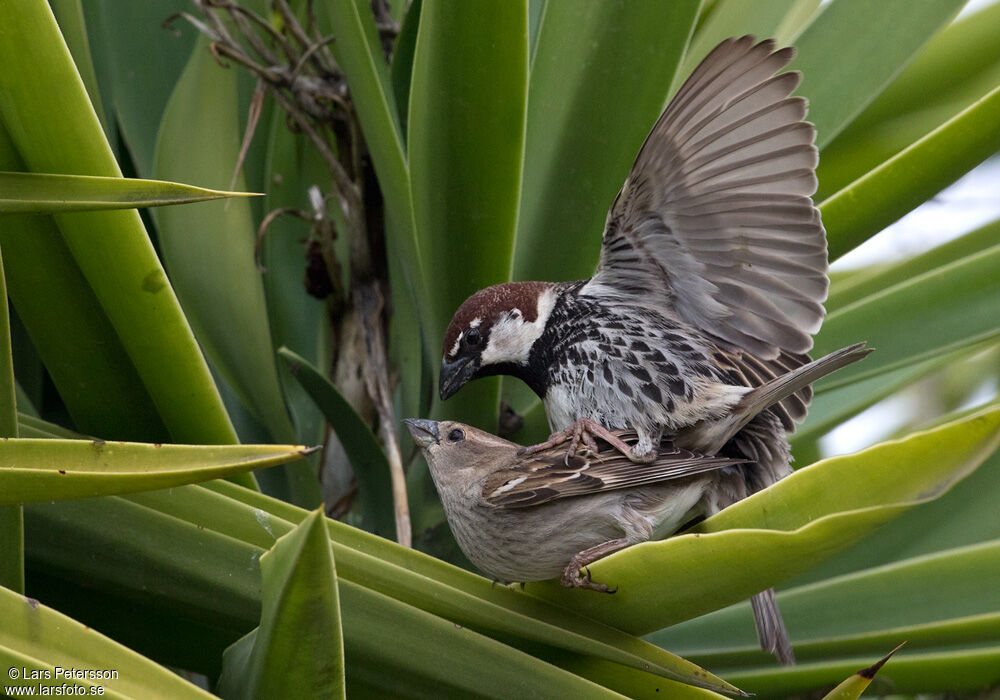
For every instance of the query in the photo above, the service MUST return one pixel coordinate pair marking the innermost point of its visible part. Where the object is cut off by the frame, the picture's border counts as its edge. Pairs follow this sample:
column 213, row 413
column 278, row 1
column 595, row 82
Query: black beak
column 425, row 432
column 455, row 374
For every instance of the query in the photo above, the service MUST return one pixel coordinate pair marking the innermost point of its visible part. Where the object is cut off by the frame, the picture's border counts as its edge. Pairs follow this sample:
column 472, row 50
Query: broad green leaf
column 47, row 193
column 145, row 62
column 381, row 633
column 789, row 527
column 69, row 13
column 963, row 516
column 297, row 319
column 417, row 580
column 371, row 468
column 358, row 51
column 868, row 283
column 407, row 349
column 853, row 49
column 298, row 649
column 70, row 331
column 422, row 581
column 951, row 62
column 36, row 637
column 186, row 576
column 11, row 516
column 731, row 18
column 958, row 303
column 112, row 248
column 402, row 62
column 34, row 427
column 937, row 600
column 209, row 251
column 900, row 184
column 466, row 142
column 53, row 469
column 830, row 408
column 951, row 633
column 599, row 76
column 636, row 684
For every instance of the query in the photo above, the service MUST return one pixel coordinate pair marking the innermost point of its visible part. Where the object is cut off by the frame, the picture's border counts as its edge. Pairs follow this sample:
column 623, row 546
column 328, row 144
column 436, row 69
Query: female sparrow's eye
column 456, row 435
column 473, row 337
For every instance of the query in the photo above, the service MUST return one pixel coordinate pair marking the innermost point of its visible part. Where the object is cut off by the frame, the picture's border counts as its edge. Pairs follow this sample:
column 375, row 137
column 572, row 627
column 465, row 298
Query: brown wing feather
column 716, row 217
column 544, row 477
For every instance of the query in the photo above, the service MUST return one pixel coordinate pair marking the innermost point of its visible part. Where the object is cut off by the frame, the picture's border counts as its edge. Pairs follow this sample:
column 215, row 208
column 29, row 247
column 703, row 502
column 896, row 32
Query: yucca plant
column 455, row 145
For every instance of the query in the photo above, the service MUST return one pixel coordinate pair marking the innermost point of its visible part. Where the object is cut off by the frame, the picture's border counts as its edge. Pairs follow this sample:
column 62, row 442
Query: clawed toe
column 581, row 578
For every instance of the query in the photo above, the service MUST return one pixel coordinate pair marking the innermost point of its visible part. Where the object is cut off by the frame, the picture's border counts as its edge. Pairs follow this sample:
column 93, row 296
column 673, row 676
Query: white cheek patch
column 511, row 337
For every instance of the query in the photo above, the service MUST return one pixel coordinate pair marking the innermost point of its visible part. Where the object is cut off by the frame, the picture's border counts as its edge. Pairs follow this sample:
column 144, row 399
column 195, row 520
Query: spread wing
column 538, row 479
column 715, row 219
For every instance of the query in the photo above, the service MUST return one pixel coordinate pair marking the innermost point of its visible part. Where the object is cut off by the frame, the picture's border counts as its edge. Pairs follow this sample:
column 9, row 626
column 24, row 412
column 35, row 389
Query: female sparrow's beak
column 455, row 374
column 425, row 432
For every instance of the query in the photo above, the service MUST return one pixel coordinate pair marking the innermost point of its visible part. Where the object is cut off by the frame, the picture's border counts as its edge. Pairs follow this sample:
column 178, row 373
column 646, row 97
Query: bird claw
column 579, row 577
column 584, row 432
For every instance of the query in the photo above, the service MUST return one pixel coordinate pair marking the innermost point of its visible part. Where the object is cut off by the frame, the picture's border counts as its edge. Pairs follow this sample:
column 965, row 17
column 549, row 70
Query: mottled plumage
column 528, row 517
column 710, row 284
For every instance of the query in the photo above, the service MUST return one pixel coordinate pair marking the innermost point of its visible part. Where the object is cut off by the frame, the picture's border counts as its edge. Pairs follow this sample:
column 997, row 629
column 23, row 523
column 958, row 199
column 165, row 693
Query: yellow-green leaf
column 51, row 469
column 789, row 527
column 45, row 193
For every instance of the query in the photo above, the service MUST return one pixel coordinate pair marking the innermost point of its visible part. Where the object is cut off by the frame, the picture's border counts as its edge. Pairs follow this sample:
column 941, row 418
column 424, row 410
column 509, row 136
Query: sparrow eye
column 456, row 435
column 473, row 337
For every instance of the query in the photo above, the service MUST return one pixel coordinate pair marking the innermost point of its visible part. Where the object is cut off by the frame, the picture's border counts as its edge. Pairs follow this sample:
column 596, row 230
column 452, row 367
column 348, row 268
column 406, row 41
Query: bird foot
column 577, row 572
column 579, row 577
column 584, row 431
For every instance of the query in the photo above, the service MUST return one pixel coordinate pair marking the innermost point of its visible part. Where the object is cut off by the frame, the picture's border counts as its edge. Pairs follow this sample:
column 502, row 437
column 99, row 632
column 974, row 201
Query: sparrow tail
column 771, row 632
column 708, row 437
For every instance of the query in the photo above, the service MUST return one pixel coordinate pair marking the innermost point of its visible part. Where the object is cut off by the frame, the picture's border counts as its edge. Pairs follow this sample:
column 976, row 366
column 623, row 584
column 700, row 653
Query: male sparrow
column 711, row 278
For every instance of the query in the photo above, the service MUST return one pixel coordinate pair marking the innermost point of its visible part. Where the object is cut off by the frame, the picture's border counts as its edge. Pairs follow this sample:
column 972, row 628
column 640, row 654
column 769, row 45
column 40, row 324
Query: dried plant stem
column 305, row 81
column 368, row 301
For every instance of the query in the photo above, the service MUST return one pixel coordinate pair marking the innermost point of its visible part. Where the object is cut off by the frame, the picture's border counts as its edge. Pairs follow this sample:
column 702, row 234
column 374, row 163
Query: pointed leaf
column 909, row 178
column 936, row 601
column 371, row 468
column 466, row 141
column 600, row 74
column 54, row 469
column 70, row 331
column 36, row 637
column 298, row 650
column 853, row 687
column 145, row 59
column 872, row 43
column 209, row 248
column 47, row 193
column 789, row 527
column 112, row 248
column 959, row 302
